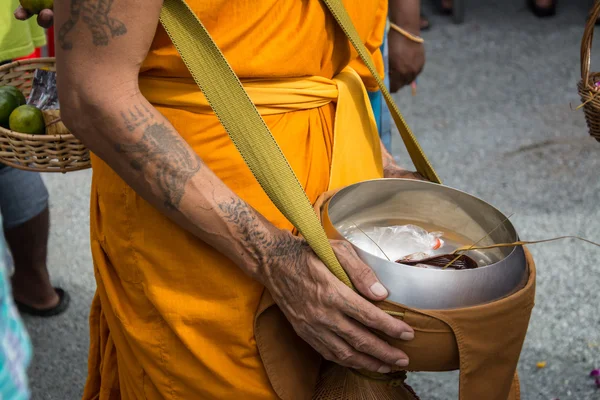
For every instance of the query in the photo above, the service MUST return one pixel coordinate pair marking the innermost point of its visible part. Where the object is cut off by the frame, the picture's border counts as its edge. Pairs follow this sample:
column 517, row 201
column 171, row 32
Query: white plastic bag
column 397, row 242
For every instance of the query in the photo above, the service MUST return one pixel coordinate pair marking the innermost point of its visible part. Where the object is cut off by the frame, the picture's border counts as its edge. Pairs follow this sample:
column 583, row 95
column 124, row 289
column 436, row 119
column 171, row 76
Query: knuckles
column 344, row 355
column 362, row 344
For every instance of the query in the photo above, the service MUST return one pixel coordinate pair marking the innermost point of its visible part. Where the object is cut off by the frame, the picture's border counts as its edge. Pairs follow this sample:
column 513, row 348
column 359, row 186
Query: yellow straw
column 521, row 243
column 476, row 243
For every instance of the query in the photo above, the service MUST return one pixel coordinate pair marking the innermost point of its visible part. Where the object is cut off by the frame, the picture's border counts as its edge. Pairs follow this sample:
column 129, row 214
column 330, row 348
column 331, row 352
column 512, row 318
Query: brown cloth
column 484, row 342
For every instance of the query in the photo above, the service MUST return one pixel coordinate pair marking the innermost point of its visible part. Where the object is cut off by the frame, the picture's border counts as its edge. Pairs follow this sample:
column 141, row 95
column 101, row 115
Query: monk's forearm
column 144, row 149
column 406, row 14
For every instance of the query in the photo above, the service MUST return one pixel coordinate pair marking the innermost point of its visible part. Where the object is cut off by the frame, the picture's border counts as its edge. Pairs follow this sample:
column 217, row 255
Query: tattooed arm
column 101, row 46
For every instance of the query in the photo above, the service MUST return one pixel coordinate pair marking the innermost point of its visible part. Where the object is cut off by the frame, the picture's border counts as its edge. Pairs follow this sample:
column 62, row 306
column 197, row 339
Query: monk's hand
column 331, row 317
column 394, row 171
column 45, row 19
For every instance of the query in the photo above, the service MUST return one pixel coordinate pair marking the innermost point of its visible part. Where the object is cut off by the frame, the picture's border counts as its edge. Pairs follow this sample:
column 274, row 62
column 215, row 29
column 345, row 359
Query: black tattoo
column 95, row 14
column 165, row 154
column 264, row 247
column 136, row 117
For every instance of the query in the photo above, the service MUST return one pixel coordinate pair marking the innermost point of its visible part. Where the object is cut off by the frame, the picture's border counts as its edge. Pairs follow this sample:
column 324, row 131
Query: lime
column 27, row 119
column 8, row 103
column 15, row 92
column 36, row 6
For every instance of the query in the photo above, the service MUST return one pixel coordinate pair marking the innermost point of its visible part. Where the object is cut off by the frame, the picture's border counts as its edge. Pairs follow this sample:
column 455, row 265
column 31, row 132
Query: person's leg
column 375, row 98
column 385, row 128
column 28, row 245
column 24, row 205
column 378, row 103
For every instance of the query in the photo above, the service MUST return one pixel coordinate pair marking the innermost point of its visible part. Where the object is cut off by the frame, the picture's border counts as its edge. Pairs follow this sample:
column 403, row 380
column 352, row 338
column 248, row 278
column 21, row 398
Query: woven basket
column 588, row 88
column 42, row 153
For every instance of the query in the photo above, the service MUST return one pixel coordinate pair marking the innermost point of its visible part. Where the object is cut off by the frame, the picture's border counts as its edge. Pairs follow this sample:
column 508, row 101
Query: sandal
column 542, row 12
column 63, row 303
column 425, row 24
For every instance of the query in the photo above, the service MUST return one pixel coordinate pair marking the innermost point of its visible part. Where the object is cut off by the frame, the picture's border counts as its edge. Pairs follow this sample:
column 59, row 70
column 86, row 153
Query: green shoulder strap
column 248, row 131
column 418, row 157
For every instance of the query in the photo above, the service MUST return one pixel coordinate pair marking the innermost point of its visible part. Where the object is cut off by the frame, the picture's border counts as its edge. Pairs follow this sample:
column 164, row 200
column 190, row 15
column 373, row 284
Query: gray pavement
column 492, row 112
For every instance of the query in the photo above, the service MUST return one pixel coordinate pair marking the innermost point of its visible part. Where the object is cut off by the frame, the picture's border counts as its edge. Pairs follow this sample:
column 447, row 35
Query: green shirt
column 18, row 38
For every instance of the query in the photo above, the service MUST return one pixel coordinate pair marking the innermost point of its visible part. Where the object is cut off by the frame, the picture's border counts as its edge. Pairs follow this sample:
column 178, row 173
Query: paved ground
column 493, row 114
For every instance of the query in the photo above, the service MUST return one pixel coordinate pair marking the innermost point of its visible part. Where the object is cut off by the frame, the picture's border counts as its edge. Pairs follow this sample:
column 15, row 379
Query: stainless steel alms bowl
column 463, row 218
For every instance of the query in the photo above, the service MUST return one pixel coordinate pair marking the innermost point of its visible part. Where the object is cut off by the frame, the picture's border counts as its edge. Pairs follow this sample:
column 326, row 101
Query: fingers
column 366, row 282
column 365, row 342
column 336, row 321
column 359, row 347
column 45, row 19
column 372, row 316
column 335, row 349
column 399, row 80
column 361, row 275
column 21, row 14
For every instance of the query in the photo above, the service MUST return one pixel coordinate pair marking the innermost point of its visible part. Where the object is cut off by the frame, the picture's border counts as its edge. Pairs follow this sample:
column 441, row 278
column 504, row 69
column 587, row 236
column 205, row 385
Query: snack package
column 44, row 94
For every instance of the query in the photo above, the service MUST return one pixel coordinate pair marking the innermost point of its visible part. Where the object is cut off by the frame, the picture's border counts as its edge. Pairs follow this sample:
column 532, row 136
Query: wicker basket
column 589, row 88
column 42, row 153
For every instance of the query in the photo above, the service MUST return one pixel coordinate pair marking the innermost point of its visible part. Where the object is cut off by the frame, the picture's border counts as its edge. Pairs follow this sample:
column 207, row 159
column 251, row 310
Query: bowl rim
column 395, row 264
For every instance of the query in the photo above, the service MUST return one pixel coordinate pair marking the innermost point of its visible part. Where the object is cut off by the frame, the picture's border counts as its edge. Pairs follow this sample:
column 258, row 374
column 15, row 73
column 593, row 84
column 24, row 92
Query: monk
column 183, row 238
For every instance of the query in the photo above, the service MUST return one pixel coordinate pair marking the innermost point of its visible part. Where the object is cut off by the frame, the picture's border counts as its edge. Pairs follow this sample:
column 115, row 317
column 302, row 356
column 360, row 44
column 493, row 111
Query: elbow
column 85, row 111
column 70, row 109
column 85, row 119
column 77, row 112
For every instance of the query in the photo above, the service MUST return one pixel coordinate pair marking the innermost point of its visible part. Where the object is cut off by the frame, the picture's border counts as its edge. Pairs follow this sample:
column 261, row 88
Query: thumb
column 361, row 275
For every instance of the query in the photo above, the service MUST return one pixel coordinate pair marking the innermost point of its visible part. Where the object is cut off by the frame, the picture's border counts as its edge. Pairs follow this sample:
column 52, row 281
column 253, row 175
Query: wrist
column 406, row 14
column 274, row 254
column 412, row 35
column 410, row 28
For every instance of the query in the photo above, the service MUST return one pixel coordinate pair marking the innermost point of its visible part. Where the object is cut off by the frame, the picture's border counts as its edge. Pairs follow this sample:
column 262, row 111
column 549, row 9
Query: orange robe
column 172, row 318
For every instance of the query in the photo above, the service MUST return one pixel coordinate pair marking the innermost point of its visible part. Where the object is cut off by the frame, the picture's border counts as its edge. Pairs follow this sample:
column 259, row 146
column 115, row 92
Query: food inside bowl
column 410, row 244
column 449, row 261
column 396, row 241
